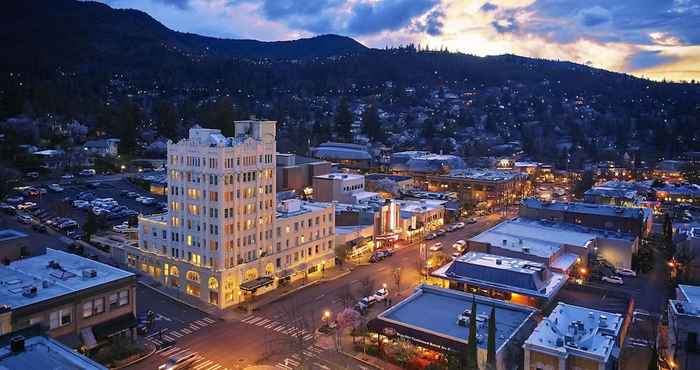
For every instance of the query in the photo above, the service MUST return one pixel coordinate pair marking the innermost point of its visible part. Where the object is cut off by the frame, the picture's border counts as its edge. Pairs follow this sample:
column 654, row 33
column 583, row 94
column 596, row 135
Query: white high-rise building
column 224, row 237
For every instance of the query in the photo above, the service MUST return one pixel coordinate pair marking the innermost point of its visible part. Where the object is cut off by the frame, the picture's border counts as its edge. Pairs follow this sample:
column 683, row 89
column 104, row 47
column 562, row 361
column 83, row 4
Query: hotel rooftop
column 42, row 353
column 295, row 207
column 504, row 273
column 579, row 331
column 481, row 174
column 54, row 274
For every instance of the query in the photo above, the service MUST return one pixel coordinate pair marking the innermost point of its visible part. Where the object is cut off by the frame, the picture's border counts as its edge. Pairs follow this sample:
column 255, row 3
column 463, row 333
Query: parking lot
column 58, row 207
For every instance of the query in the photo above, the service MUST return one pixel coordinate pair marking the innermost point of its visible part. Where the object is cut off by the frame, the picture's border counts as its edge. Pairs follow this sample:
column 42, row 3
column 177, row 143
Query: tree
column 221, row 115
column 397, row 279
column 584, row 184
column 90, row 226
column 343, row 121
column 654, row 360
column 667, row 228
column 341, row 253
column 166, row 119
column 491, row 345
column 371, row 125
column 472, row 350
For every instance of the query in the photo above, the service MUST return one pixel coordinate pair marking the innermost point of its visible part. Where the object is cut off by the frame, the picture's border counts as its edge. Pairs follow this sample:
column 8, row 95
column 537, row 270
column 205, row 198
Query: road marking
column 321, row 296
column 381, row 269
column 214, row 367
column 167, row 338
column 254, row 320
column 293, row 332
column 194, row 327
column 175, row 334
column 317, row 350
column 354, row 281
column 271, row 325
column 209, row 320
column 186, row 331
column 324, row 367
column 281, row 327
column 245, row 319
column 296, row 356
column 308, row 336
column 290, row 330
column 262, row 322
column 162, row 317
column 283, row 366
column 201, row 323
column 163, row 350
column 290, row 361
column 309, row 354
column 203, row 364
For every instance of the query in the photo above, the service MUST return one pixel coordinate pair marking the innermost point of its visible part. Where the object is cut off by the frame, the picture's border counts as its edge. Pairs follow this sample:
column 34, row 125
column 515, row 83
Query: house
column 102, row 147
column 683, row 328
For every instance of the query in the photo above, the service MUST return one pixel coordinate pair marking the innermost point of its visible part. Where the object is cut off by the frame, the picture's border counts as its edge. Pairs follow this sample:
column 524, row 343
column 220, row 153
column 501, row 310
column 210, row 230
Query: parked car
column 626, row 272
column 441, row 232
column 24, row 219
column 385, row 253
column 31, row 192
column 8, row 209
column 436, row 247
column 471, row 221
column 55, row 188
column 67, row 176
column 93, row 185
column 459, row 225
column 365, row 302
column 132, row 194
column 123, row 193
column 32, row 175
column 15, row 199
column 375, row 258
column 613, row 279
column 381, row 295
column 40, row 228
column 451, row 228
column 87, row 172
column 26, row 206
column 431, row 236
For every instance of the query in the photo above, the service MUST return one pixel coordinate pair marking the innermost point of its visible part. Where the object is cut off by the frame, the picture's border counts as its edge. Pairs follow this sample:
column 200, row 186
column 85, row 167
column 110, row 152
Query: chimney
column 17, row 344
column 603, row 321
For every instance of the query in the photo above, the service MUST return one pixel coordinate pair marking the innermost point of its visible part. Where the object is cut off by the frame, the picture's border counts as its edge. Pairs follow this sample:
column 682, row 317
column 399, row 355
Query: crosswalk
column 200, row 362
column 170, row 335
column 279, row 327
column 294, row 361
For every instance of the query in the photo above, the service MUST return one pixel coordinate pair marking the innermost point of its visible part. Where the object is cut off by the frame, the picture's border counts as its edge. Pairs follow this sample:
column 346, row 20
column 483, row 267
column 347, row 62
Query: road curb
column 179, row 300
column 135, row 361
column 357, row 358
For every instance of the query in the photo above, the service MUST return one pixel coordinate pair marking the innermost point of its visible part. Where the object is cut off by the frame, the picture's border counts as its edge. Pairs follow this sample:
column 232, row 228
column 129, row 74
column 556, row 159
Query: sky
column 657, row 39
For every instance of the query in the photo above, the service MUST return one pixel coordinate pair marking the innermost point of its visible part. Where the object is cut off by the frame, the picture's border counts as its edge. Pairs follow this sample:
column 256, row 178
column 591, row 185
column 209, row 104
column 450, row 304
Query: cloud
column 488, row 7
column 504, row 25
column 662, row 38
column 182, row 4
column 432, row 25
column 373, row 17
column 647, row 59
column 594, row 16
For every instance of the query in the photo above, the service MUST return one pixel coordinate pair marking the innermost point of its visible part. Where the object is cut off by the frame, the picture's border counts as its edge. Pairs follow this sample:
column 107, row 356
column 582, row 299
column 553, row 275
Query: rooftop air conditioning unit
column 29, row 291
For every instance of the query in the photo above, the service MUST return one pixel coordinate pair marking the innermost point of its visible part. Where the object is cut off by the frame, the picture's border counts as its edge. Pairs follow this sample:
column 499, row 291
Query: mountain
column 68, row 32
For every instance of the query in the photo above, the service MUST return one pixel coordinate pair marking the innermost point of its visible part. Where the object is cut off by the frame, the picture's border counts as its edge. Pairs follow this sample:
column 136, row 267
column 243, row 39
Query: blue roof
column 339, row 151
column 435, row 310
column 585, row 208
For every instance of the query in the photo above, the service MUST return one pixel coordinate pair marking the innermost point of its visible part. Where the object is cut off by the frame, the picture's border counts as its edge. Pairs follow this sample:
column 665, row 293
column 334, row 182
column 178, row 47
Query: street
column 282, row 334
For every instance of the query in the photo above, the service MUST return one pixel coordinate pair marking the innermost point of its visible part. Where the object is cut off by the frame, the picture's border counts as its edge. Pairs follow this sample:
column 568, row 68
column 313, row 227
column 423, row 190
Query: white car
column 459, row 225
column 55, row 188
column 431, row 236
column 381, row 295
column 626, row 272
column 16, row 199
column 436, row 247
column 24, row 219
column 67, row 177
column 613, row 280
column 26, row 205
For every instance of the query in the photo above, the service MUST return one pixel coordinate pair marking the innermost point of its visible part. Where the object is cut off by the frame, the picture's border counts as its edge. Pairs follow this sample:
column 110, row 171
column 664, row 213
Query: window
column 87, row 309
column 60, row 318
column 123, row 297
column 99, row 306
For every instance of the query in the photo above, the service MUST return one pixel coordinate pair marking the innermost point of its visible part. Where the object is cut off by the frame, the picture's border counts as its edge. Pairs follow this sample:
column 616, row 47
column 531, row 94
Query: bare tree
column 366, row 286
column 397, row 279
column 345, row 295
column 305, row 319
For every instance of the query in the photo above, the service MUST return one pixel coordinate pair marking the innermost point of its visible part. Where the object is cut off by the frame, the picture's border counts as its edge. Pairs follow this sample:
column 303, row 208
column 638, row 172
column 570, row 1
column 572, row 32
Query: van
column 179, row 361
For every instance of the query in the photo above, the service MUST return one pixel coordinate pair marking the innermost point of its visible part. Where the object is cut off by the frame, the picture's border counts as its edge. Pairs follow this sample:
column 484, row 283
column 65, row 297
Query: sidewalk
column 240, row 311
column 346, row 355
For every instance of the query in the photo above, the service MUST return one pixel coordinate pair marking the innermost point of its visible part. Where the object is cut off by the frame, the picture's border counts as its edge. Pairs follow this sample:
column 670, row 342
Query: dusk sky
column 652, row 38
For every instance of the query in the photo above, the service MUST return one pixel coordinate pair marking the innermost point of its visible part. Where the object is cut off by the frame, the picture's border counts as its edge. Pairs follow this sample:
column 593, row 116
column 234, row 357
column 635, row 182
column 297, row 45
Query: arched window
column 269, row 269
column 213, row 283
column 193, row 276
column 174, row 271
column 251, row 274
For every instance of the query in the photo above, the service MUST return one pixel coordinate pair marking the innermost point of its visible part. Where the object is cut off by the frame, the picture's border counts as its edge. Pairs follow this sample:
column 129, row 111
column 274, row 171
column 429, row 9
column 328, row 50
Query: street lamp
column 384, row 285
column 326, row 316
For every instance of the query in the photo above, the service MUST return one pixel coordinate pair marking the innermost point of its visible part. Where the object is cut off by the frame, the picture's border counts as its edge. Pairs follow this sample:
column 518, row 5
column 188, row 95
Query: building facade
column 683, row 328
column 474, row 186
column 222, row 238
column 74, row 299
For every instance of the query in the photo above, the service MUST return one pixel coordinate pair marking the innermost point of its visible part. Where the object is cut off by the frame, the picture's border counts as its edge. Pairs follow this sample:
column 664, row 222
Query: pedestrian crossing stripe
column 290, row 361
column 194, row 327
column 167, row 338
column 316, row 349
column 186, row 331
column 262, row 322
column 283, row 366
column 203, row 364
column 271, row 325
column 308, row 336
column 296, row 356
column 215, row 367
column 175, row 334
column 166, row 351
column 254, row 320
column 201, row 323
column 209, row 320
column 280, row 328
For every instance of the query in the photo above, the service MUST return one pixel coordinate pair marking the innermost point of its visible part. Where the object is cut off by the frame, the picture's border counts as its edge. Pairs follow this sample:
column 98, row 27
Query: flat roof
column 305, row 207
column 483, row 174
column 42, row 353
column 11, row 234
column 340, row 176
column 382, row 176
column 542, row 239
column 688, row 303
column 435, row 311
column 577, row 330
column 585, row 208
column 64, row 278
column 505, row 273
column 420, row 206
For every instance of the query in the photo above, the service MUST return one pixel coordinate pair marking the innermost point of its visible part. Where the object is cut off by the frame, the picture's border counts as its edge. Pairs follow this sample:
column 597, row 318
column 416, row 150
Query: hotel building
column 224, row 237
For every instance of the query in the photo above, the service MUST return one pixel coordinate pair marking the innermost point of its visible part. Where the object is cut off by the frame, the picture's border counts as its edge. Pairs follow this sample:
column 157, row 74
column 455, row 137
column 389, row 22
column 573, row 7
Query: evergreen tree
column 127, row 120
column 668, row 228
column 472, row 347
column 343, row 121
column 221, row 115
column 654, row 360
column 371, row 125
column 90, row 226
column 166, row 119
column 491, row 345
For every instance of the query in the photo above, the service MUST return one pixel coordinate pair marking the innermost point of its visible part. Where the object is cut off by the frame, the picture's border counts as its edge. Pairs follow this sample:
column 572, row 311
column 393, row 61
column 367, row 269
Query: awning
column 257, row 283
column 88, row 338
column 284, row 273
column 117, row 325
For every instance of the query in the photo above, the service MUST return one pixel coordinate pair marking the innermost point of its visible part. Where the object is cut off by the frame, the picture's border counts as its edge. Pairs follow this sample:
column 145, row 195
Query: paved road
column 282, row 334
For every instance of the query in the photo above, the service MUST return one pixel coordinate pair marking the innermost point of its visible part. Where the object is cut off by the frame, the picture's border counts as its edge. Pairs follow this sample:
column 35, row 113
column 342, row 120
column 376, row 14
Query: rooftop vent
column 89, row 273
column 17, row 344
column 29, row 291
column 603, row 321
column 499, row 261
